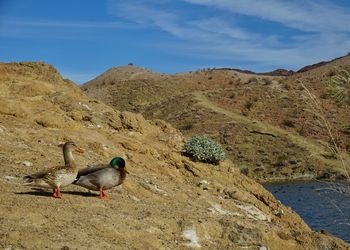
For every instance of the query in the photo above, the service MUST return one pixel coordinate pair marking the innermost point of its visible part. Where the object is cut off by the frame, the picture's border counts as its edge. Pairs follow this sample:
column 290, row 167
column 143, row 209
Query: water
column 320, row 206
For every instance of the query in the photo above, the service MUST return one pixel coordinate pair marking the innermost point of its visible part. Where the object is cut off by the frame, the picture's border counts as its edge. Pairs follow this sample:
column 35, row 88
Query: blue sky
column 84, row 38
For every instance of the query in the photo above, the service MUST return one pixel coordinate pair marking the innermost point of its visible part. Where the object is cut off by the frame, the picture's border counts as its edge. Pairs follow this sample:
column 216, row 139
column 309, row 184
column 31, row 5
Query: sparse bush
column 286, row 86
column 267, row 81
column 345, row 128
column 281, row 161
column 339, row 87
column 202, row 148
column 248, row 104
column 244, row 170
column 288, row 123
column 187, row 127
column 332, row 72
column 253, row 79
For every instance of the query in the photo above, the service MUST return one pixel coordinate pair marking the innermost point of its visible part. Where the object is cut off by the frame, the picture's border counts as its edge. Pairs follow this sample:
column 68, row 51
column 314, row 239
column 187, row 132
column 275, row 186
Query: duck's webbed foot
column 102, row 195
column 57, row 193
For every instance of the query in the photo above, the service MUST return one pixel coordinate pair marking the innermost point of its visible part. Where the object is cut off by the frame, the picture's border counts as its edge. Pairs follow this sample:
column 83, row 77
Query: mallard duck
column 102, row 177
column 58, row 176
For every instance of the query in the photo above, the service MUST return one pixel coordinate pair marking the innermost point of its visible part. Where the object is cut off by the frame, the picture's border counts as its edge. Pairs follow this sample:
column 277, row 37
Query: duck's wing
column 44, row 178
column 45, row 173
column 92, row 169
column 106, row 177
column 36, row 175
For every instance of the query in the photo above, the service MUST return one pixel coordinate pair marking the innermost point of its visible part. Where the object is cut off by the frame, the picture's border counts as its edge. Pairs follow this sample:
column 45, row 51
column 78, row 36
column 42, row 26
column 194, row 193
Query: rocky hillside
column 263, row 121
column 167, row 202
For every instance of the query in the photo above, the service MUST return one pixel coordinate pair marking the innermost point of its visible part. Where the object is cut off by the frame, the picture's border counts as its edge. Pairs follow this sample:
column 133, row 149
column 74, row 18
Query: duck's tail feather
column 38, row 182
column 28, row 180
column 76, row 179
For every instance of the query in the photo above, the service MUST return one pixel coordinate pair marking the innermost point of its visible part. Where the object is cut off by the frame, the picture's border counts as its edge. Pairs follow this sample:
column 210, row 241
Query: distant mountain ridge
column 283, row 72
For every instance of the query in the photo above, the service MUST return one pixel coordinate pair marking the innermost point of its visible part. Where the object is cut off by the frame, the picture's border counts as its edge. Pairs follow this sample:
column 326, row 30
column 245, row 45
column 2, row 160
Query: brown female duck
column 58, row 176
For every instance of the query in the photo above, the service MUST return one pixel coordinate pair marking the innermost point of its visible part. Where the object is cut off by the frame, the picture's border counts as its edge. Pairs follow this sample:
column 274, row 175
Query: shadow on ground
column 41, row 192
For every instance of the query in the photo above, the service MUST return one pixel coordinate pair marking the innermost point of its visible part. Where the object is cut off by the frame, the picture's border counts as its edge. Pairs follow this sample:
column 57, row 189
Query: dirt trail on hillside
column 316, row 149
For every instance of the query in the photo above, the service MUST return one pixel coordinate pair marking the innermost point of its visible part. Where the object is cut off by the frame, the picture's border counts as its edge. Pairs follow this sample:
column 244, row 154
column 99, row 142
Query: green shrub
column 202, row 148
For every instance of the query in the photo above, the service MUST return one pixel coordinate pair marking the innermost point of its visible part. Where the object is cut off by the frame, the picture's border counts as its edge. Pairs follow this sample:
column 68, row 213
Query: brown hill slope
column 167, row 202
column 262, row 121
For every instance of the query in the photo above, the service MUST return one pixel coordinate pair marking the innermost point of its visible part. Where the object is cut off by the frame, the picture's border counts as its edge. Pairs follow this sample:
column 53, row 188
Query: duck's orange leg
column 103, row 196
column 54, row 193
column 57, row 193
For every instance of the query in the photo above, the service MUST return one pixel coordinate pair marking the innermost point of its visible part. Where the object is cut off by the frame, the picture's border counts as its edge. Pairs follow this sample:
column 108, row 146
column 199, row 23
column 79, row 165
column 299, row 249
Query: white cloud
column 175, row 23
column 144, row 15
column 43, row 28
column 305, row 15
column 323, row 33
column 221, row 27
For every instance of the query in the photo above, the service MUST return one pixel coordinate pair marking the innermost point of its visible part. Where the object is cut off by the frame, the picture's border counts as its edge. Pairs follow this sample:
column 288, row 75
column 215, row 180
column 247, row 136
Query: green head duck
column 117, row 162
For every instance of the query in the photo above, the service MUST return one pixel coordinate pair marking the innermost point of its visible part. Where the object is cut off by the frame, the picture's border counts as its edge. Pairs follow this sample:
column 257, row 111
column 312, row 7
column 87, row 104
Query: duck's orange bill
column 126, row 171
column 79, row 150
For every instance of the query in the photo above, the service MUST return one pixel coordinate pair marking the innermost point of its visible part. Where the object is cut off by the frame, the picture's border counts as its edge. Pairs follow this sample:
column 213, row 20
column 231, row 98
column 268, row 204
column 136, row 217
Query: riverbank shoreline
column 301, row 178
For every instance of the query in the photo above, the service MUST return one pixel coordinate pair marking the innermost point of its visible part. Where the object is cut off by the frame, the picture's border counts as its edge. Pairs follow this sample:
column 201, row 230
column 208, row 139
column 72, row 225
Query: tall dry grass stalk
column 337, row 82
